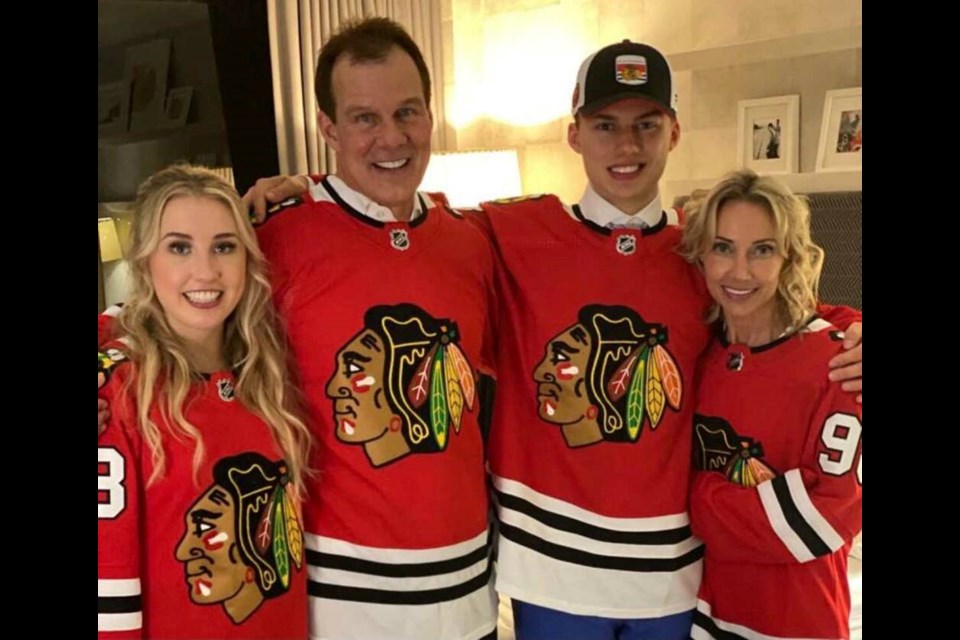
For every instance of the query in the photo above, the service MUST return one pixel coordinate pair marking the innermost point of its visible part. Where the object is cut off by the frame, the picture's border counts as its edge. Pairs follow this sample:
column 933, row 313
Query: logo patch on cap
column 631, row 69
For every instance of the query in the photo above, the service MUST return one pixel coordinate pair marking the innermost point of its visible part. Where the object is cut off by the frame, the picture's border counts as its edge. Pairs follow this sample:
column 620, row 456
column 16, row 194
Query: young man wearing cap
column 601, row 325
column 590, row 467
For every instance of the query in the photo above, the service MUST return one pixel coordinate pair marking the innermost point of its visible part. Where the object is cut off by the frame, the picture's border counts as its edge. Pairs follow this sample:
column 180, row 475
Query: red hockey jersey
column 214, row 554
column 777, row 498
column 600, row 331
column 387, row 323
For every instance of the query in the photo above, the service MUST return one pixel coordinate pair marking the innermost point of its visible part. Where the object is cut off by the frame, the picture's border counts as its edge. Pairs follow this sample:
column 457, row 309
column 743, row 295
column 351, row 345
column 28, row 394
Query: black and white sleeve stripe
column 119, row 605
column 795, row 519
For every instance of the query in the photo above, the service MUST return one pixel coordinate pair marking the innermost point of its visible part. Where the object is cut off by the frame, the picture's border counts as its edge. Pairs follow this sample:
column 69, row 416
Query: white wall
column 511, row 54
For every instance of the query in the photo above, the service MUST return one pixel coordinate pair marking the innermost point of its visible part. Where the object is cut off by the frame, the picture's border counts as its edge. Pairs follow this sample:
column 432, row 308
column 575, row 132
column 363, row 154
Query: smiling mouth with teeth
column 392, row 164
column 203, row 297
column 737, row 293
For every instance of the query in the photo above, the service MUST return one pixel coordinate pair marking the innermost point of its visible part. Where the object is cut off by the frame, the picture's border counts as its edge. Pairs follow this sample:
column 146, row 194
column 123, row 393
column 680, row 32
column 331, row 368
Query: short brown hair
column 368, row 40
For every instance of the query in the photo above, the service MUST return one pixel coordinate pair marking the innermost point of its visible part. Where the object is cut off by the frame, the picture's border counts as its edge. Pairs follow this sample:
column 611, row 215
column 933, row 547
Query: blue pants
column 539, row 623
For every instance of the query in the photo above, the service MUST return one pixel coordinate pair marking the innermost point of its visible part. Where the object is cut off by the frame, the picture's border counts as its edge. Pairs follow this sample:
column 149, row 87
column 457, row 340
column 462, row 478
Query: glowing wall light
column 471, row 177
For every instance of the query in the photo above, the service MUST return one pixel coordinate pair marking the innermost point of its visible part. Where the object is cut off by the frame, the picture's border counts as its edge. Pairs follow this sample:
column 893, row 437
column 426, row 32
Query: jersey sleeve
column 840, row 317
column 488, row 354
column 803, row 514
column 119, row 608
column 106, row 322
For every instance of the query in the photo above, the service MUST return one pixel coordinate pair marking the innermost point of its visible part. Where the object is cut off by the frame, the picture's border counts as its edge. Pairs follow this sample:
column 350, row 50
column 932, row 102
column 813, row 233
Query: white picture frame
column 841, row 131
column 768, row 134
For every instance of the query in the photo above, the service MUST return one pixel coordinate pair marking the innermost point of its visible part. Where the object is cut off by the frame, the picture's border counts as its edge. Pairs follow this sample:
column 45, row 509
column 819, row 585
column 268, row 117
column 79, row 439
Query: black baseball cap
column 624, row 70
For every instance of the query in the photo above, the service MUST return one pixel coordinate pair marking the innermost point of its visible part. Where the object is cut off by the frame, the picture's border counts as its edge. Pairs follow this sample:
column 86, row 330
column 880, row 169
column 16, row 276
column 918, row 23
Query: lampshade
column 471, row 177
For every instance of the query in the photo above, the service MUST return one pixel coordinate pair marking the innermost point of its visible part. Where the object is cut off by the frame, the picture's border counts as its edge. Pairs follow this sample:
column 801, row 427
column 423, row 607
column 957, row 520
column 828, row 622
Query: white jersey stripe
column 590, row 545
column 780, row 525
column 119, row 621
column 700, row 633
column 116, row 588
column 569, row 510
column 810, row 513
column 333, row 546
column 389, row 583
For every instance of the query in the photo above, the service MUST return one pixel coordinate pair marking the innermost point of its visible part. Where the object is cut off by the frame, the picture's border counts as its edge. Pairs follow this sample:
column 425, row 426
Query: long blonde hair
column 790, row 213
column 252, row 344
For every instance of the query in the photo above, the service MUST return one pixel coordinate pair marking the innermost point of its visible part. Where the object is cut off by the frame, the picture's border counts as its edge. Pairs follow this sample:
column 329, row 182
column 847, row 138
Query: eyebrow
column 187, row 236
column 754, row 242
column 648, row 114
column 357, row 109
column 349, row 111
column 559, row 345
column 203, row 514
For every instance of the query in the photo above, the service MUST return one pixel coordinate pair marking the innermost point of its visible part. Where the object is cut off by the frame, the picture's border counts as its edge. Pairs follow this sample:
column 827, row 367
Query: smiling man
column 396, row 529
column 374, row 111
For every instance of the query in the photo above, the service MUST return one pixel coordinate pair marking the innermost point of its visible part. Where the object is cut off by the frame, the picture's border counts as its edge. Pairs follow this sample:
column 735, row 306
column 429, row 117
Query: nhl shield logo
column 399, row 239
column 225, row 390
column 626, row 245
column 735, row 361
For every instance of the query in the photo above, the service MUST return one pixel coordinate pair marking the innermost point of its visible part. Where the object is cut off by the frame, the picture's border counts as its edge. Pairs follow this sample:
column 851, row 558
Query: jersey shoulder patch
column 289, row 203
column 108, row 358
column 517, row 199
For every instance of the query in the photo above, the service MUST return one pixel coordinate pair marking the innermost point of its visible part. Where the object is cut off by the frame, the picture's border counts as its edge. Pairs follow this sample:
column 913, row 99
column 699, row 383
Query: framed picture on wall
column 768, row 134
column 145, row 68
column 841, row 132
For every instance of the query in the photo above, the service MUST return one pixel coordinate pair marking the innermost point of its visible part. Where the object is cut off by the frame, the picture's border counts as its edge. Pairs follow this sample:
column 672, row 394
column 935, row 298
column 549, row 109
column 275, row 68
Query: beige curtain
column 298, row 28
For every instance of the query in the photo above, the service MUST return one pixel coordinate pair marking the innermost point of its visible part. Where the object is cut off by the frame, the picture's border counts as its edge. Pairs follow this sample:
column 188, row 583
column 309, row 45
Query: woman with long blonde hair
column 201, row 466
column 777, row 496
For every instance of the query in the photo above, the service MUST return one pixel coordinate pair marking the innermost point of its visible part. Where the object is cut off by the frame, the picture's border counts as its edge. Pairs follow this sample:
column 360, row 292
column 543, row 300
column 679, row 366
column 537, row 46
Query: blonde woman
column 200, row 468
column 777, row 496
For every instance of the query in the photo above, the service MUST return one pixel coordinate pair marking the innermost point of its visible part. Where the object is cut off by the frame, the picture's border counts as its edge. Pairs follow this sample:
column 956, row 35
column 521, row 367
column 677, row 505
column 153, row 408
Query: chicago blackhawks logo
column 601, row 378
column 631, row 69
column 242, row 535
column 717, row 447
column 106, row 361
column 401, row 384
